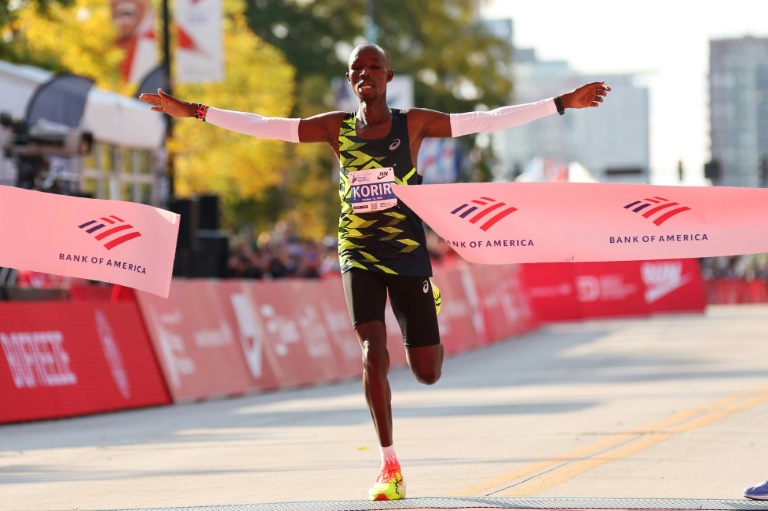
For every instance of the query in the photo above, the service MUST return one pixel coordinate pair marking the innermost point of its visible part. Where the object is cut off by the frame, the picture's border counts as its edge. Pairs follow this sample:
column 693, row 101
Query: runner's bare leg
column 373, row 341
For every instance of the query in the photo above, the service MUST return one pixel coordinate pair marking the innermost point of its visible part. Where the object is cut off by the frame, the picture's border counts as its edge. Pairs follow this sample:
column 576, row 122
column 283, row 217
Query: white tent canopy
column 112, row 118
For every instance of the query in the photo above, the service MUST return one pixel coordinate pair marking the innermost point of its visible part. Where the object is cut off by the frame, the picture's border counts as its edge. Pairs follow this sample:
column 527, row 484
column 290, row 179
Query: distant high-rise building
column 612, row 141
column 738, row 110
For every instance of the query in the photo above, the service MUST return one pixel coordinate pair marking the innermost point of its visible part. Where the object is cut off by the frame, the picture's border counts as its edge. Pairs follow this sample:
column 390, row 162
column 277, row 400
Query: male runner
column 382, row 245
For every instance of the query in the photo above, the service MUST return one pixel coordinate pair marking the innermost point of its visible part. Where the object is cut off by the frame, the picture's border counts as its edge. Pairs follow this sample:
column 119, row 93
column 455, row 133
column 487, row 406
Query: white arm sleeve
column 500, row 118
column 274, row 128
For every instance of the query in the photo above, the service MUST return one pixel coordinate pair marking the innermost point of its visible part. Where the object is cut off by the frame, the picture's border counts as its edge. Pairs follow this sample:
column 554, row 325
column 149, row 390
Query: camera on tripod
column 41, row 152
column 44, row 139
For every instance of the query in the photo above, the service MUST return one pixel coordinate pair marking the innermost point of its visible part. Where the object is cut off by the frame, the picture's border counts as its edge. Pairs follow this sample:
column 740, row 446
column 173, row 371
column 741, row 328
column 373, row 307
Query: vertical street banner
column 135, row 24
column 199, row 41
column 119, row 242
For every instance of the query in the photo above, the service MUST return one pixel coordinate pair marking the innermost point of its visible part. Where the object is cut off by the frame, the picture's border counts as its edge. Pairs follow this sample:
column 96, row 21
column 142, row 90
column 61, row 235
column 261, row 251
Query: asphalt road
column 672, row 407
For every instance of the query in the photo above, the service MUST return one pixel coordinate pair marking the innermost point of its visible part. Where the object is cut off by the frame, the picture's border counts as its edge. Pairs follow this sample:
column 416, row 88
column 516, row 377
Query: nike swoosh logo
column 662, row 289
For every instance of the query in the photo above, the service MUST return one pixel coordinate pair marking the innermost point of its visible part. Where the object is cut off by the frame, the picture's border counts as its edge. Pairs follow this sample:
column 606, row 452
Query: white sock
column 388, row 456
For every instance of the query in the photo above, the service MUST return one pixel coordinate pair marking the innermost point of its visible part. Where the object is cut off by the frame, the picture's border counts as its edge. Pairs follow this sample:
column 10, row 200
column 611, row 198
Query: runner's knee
column 426, row 363
column 373, row 341
column 428, row 376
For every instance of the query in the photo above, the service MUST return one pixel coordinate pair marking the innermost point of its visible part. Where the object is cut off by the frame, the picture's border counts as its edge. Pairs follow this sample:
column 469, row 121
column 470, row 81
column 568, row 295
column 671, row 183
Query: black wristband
column 559, row 105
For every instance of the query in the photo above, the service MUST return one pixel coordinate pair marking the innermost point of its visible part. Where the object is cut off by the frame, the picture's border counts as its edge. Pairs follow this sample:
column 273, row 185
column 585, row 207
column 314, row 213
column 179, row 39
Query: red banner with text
column 62, row 359
column 574, row 291
column 220, row 338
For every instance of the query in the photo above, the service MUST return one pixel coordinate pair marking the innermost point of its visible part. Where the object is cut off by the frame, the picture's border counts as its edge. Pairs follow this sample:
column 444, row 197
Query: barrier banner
column 606, row 290
column 219, row 338
column 112, row 241
column 551, row 289
column 498, row 223
column 568, row 291
column 261, row 361
column 324, row 302
column 61, row 359
column 503, row 303
column 294, row 330
column 673, row 286
column 193, row 334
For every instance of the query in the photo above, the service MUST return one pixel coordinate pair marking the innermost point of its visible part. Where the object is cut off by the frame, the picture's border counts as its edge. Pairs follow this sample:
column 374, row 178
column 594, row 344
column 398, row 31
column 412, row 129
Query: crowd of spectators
column 742, row 267
column 282, row 254
column 268, row 258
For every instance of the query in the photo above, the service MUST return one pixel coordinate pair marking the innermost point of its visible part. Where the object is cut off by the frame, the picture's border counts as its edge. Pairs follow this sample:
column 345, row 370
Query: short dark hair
column 378, row 48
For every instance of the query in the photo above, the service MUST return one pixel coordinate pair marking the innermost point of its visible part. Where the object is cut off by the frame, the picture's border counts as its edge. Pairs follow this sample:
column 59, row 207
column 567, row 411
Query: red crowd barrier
column 572, row 291
column 733, row 291
column 213, row 338
column 217, row 338
column 60, row 359
column 503, row 303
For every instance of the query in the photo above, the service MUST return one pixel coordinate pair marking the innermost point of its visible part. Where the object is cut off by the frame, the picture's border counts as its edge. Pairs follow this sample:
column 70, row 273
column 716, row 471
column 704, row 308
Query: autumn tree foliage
column 249, row 175
column 242, row 170
column 66, row 35
column 281, row 56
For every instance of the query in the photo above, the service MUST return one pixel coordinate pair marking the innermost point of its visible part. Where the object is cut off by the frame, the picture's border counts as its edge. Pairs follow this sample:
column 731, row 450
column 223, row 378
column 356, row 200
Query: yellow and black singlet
column 378, row 235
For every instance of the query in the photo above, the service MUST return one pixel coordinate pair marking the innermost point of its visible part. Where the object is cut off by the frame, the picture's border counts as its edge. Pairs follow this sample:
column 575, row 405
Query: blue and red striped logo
column 110, row 230
column 660, row 211
column 484, row 209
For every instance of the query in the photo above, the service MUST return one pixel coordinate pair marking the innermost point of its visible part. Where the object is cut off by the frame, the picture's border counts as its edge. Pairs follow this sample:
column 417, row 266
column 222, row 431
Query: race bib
column 372, row 189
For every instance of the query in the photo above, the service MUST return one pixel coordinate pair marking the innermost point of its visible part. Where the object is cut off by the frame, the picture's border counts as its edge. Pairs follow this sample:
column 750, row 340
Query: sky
column 664, row 43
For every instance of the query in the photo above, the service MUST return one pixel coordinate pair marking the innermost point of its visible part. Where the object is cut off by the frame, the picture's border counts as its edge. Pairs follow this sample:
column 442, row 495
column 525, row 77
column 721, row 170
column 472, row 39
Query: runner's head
column 369, row 71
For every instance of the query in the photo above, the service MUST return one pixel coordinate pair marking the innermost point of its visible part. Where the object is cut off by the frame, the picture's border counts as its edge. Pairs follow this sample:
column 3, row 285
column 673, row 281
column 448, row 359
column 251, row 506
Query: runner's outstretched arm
column 431, row 123
column 319, row 128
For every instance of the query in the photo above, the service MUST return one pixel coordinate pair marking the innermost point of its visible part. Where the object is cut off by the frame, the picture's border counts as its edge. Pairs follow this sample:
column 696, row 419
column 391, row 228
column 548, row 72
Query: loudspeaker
column 188, row 210
column 210, row 257
column 208, row 206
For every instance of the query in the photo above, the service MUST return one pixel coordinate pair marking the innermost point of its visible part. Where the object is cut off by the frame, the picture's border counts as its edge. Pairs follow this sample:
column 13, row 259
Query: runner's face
column 368, row 72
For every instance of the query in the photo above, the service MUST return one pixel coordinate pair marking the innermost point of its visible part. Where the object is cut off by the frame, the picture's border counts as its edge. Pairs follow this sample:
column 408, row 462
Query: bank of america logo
column 660, row 211
column 110, row 230
column 478, row 210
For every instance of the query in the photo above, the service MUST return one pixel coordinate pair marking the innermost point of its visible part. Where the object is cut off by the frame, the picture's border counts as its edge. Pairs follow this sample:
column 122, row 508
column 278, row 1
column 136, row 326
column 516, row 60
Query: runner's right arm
column 319, row 128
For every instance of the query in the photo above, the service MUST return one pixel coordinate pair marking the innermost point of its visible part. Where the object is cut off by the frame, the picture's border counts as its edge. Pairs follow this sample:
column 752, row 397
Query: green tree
column 456, row 63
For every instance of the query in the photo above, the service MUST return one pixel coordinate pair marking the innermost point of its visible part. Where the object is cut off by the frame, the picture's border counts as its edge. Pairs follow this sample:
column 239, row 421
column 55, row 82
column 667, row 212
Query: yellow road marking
column 551, row 472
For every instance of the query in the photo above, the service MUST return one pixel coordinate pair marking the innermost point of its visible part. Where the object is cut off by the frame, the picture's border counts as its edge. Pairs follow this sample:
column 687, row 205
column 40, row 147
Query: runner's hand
column 589, row 95
column 162, row 102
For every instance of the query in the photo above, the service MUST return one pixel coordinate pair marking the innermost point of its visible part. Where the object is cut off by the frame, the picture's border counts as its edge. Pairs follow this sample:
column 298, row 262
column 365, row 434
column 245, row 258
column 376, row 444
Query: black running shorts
column 411, row 299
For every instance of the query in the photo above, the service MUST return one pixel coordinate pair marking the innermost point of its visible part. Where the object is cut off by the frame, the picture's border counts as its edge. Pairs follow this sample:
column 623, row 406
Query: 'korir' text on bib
column 372, row 189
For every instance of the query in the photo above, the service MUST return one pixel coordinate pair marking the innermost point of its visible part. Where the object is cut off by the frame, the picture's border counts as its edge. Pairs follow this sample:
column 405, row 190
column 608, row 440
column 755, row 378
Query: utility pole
column 170, row 170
